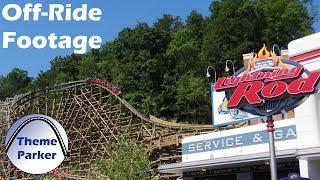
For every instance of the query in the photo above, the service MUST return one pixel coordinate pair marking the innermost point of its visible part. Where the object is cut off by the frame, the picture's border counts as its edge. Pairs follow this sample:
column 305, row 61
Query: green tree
column 16, row 82
column 168, row 23
column 18, row 79
column 240, row 26
column 192, row 100
column 63, row 69
column 139, row 62
column 88, row 67
column 127, row 160
column 197, row 24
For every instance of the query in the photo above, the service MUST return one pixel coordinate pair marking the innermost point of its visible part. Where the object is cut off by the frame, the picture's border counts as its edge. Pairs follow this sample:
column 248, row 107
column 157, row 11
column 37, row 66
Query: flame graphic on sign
column 263, row 55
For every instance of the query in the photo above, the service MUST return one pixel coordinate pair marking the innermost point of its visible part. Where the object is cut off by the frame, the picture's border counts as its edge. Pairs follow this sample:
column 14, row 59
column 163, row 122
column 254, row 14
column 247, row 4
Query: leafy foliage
column 161, row 68
column 127, row 160
column 17, row 81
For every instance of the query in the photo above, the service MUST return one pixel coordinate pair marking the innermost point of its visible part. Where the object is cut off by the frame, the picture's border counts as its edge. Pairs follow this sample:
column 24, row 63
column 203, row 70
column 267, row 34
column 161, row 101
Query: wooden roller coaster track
column 92, row 112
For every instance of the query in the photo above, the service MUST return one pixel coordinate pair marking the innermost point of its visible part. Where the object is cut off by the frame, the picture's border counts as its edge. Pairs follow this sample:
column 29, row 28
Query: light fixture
column 275, row 45
column 209, row 75
column 267, row 163
column 204, row 169
column 227, row 69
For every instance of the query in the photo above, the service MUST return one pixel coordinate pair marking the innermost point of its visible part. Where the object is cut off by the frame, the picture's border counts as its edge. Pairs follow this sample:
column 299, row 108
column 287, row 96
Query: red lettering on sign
column 267, row 76
column 219, row 84
column 248, row 91
column 274, row 89
column 304, row 85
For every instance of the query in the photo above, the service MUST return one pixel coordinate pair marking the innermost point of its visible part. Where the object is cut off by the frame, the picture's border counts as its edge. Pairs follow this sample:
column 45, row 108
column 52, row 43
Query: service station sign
column 268, row 85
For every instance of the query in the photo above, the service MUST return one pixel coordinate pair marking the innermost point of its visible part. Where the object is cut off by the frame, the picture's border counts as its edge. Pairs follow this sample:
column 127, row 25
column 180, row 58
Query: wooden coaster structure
column 92, row 113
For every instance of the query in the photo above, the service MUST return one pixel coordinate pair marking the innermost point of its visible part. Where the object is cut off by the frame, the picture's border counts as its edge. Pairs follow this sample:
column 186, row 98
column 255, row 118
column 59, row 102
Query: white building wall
column 304, row 45
column 308, row 122
column 309, row 168
column 308, row 113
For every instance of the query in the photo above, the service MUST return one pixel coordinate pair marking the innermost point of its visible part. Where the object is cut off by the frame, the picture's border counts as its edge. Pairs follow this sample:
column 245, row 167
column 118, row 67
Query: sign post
column 269, row 85
column 273, row 159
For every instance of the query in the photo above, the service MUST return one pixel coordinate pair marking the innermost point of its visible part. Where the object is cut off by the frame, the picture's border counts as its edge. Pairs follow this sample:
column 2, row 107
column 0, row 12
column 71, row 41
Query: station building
column 243, row 153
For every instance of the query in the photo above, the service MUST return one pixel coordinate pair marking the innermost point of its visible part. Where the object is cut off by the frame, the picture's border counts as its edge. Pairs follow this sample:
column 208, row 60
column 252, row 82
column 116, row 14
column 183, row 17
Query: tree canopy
column 161, row 67
column 127, row 160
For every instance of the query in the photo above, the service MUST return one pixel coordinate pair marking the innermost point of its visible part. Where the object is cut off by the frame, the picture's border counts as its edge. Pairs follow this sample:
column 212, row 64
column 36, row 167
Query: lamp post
column 209, row 75
column 275, row 45
column 227, row 68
